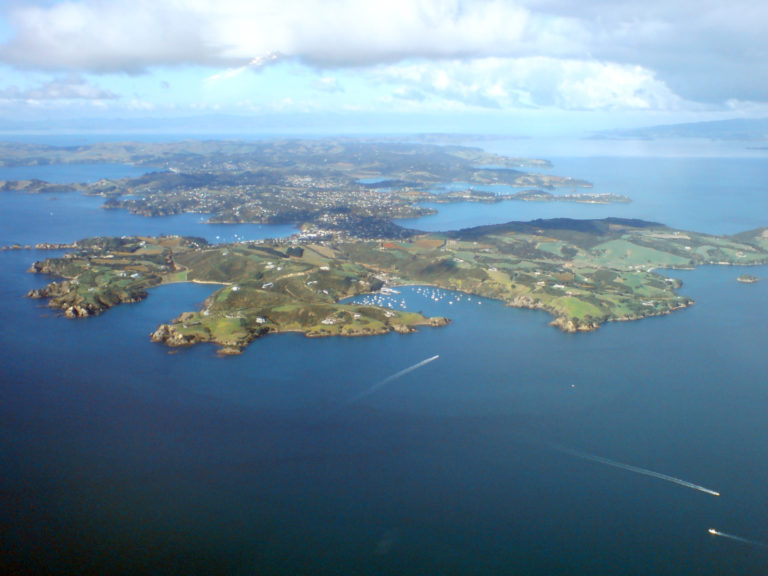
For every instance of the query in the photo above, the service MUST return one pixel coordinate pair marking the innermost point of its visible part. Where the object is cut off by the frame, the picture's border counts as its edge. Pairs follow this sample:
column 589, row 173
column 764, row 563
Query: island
column 747, row 278
column 582, row 272
column 361, row 187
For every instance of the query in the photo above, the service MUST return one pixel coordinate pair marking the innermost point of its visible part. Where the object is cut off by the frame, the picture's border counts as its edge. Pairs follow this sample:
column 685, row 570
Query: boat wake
column 382, row 383
column 737, row 538
column 635, row 469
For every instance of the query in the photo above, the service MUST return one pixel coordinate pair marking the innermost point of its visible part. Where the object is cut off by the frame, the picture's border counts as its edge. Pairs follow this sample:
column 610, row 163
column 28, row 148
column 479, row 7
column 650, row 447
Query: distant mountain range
column 755, row 129
column 259, row 125
column 466, row 127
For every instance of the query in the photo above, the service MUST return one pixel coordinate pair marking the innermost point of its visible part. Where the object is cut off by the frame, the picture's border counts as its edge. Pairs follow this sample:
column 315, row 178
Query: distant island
column 583, row 272
column 734, row 129
column 748, row 278
column 354, row 186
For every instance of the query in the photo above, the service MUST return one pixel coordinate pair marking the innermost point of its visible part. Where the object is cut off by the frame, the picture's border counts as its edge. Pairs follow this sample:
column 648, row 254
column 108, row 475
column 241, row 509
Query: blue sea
column 352, row 456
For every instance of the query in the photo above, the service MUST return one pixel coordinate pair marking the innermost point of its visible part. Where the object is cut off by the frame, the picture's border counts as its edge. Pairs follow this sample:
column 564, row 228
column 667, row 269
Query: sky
column 519, row 66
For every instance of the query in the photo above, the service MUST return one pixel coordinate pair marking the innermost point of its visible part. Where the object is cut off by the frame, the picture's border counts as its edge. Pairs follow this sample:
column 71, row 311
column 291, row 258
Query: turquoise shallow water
column 294, row 458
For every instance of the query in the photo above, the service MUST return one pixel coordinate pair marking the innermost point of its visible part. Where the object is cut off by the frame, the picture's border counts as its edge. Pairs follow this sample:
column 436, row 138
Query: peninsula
column 583, row 272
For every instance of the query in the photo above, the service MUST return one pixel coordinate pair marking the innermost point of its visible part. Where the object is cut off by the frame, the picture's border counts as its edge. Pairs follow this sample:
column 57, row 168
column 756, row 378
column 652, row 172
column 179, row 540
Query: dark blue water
column 120, row 457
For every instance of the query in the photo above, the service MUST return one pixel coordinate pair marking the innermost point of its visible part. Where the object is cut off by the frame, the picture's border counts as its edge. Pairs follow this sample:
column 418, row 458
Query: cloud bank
column 599, row 53
column 69, row 88
column 130, row 35
column 532, row 82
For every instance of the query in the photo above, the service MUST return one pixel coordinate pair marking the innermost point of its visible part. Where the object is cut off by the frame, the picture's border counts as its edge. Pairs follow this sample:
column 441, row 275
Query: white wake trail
column 737, row 538
column 387, row 380
column 636, row 469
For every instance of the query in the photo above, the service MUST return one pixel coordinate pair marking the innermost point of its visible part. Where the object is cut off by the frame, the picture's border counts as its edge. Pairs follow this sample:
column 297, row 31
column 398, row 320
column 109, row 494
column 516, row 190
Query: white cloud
column 532, row 82
column 131, row 35
column 104, row 36
column 706, row 50
column 604, row 86
column 138, row 104
column 255, row 64
column 68, row 88
column 741, row 108
column 328, row 84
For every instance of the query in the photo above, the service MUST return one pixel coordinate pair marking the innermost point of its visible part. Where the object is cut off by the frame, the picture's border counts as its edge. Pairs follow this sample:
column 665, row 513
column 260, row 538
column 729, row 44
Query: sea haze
column 332, row 456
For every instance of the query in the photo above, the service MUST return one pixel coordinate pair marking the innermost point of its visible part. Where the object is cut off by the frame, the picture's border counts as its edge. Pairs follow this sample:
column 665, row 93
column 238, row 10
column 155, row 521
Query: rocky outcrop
column 170, row 336
column 64, row 296
column 61, row 297
column 747, row 279
column 573, row 325
column 38, row 267
column 52, row 290
column 77, row 311
column 522, row 301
